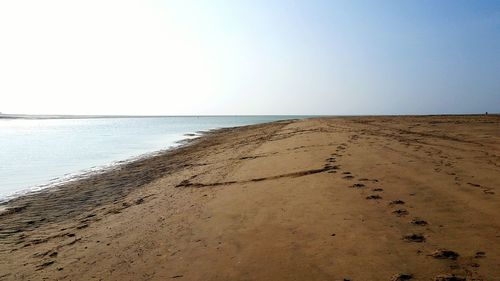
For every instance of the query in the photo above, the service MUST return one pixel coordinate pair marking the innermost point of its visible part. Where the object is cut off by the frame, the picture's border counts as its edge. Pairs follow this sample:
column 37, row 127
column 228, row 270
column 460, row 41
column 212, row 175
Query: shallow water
column 37, row 152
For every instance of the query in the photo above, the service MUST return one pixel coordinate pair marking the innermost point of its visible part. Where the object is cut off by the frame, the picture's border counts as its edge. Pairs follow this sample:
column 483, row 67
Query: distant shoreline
column 43, row 116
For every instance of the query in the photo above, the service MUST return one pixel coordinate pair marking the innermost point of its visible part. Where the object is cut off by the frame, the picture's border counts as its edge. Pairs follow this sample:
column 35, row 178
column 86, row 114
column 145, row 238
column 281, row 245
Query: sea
column 40, row 153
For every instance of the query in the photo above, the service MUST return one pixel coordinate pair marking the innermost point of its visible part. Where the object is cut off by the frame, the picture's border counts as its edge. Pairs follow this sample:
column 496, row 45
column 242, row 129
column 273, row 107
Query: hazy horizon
column 76, row 116
column 249, row 57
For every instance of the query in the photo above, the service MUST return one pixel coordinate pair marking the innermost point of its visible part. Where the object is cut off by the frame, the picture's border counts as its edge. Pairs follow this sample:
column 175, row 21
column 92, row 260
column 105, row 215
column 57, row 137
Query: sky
column 249, row 57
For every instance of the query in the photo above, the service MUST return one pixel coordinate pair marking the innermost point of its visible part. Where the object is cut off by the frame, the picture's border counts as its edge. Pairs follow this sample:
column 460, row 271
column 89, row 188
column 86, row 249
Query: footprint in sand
column 378, row 189
column 444, row 254
column 332, row 167
column 480, row 255
column 449, row 277
column 396, row 202
column 366, row 179
column 348, row 175
column 417, row 221
column 400, row 212
column 402, row 277
column 484, row 189
column 374, row 197
column 418, row 238
column 357, row 185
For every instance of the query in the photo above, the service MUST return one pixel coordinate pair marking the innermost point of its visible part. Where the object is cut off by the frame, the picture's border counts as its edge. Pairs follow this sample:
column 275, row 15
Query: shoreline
column 96, row 171
column 316, row 199
column 83, row 178
column 62, row 179
column 59, row 182
column 48, row 117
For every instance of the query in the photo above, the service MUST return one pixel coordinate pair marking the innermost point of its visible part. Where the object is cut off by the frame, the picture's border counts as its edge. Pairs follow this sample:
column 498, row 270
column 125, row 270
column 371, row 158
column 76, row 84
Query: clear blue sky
column 250, row 57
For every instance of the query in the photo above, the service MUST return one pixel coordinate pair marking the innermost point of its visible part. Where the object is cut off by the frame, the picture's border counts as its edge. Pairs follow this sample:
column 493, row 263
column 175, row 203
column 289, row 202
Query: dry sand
column 381, row 198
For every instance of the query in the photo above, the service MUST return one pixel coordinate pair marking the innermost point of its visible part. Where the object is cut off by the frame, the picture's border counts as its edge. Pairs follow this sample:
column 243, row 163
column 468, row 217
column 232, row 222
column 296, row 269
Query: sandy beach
column 346, row 198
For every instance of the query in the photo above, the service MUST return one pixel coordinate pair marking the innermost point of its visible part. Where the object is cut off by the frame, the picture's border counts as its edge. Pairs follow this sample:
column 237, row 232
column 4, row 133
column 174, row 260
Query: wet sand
column 359, row 198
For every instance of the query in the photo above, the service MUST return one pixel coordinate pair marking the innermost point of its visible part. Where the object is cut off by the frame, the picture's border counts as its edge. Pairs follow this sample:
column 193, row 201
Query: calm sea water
column 37, row 153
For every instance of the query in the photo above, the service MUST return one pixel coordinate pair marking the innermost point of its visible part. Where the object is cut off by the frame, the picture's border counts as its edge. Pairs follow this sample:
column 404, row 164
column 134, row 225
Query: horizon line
column 96, row 116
